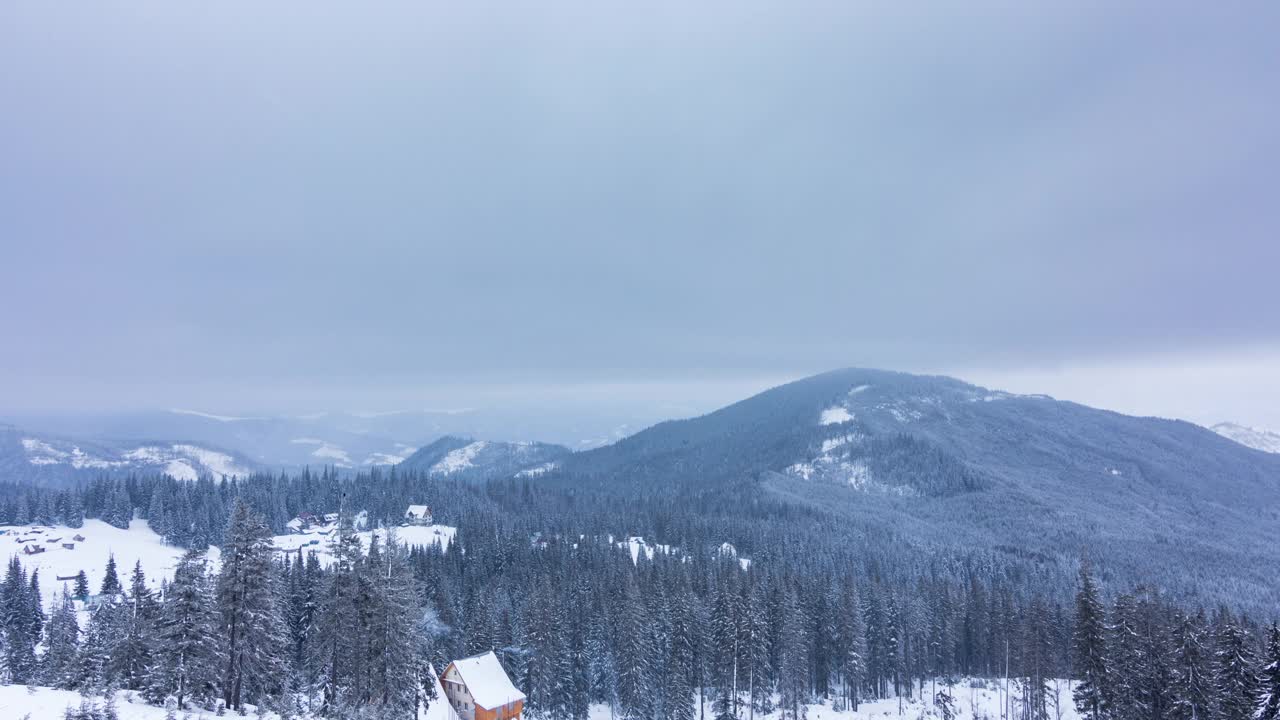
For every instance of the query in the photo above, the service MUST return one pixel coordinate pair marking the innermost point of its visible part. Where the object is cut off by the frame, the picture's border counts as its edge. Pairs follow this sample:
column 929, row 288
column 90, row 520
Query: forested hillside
column 541, row 576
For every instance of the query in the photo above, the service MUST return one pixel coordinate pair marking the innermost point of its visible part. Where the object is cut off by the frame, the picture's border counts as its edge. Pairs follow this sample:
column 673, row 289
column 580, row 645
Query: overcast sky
column 292, row 206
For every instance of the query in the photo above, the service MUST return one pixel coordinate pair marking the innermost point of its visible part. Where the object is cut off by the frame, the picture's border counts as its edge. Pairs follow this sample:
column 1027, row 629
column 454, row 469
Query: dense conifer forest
column 795, row 611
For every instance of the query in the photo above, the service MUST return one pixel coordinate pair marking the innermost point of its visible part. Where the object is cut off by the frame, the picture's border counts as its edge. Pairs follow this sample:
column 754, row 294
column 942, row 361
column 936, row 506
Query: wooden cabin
column 478, row 689
column 418, row 515
column 69, row 546
column 78, row 538
column 32, row 549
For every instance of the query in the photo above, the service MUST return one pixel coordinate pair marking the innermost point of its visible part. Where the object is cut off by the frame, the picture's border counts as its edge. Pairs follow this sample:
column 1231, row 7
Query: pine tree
column 16, row 625
column 851, row 630
column 81, row 591
column 248, row 598
column 394, row 626
column 1192, row 685
column 1268, row 707
column 335, row 656
column 35, row 605
column 636, row 674
column 793, row 673
column 1089, row 648
column 131, row 658
column 187, row 653
column 1235, row 685
column 726, row 652
column 110, row 580
column 62, row 642
column 93, row 664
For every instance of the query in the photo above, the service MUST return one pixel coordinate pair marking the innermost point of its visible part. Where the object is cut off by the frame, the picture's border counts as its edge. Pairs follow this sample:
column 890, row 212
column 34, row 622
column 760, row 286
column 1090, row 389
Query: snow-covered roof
column 418, row 511
column 487, row 681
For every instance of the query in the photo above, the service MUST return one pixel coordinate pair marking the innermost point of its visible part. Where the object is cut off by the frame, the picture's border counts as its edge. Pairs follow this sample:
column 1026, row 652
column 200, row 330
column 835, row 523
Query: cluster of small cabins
column 33, row 541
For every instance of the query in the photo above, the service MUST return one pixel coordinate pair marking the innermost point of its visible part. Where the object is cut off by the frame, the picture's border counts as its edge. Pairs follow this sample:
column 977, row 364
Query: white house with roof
column 478, row 689
column 418, row 515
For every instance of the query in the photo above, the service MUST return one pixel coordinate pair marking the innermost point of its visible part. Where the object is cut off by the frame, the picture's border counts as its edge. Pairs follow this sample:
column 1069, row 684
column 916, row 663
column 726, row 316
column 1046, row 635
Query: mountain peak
column 1256, row 438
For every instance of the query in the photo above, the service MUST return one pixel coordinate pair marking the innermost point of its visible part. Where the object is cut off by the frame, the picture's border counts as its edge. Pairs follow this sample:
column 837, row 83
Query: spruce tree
column 131, row 658
column 16, row 625
column 187, row 652
column 252, row 625
column 81, row 591
column 1235, row 684
column 1268, row 707
column 1089, row 650
column 1193, row 688
column 62, row 642
column 110, row 580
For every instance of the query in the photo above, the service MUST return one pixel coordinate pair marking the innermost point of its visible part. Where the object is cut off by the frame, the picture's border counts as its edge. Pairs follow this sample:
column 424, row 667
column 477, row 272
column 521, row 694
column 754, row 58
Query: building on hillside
column 78, row 538
column 418, row 515
column 69, row 546
column 32, row 549
column 478, row 689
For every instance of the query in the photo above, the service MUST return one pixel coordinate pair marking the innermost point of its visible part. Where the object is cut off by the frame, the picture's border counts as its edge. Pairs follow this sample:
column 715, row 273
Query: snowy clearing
column 425, row 535
column 835, row 415
column 100, row 541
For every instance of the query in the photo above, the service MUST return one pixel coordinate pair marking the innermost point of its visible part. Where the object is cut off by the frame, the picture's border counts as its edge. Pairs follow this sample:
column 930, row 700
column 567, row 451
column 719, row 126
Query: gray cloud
column 252, row 205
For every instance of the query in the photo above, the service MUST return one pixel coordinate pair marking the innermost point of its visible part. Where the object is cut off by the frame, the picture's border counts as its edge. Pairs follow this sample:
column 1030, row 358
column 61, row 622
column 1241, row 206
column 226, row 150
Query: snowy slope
column 1256, row 438
column 467, row 459
column 100, row 541
column 42, row 703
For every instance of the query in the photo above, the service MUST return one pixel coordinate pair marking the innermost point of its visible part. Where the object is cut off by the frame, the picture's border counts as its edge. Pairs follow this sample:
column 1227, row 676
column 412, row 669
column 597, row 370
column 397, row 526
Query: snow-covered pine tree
column 602, row 668
column 61, row 642
column 81, row 591
column 187, row 652
column 110, row 579
column 35, row 605
column 793, row 678
column 93, row 664
column 16, row 624
column 1268, row 707
column 131, row 659
column 679, row 670
column 1235, row 684
column 1193, row 689
column 252, row 626
column 726, row 651
column 756, row 652
column 334, row 653
column 396, row 667
column 852, row 634
column 636, row 673
column 1089, row 648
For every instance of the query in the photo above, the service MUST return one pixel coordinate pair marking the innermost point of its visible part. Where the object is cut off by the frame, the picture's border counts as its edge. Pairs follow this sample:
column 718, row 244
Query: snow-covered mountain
column 346, row 440
column 52, row 459
column 1258, row 439
column 941, row 463
column 469, row 459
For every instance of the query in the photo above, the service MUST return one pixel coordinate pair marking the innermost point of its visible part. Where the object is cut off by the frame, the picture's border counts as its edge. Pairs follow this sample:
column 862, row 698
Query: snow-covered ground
column 101, row 540
column 139, row 542
column 411, row 535
column 41, row 703
column 969, row 703
column 17, row 701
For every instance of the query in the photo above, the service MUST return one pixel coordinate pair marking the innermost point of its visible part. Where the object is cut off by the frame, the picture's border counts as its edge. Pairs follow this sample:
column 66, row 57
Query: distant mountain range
column 343, row 440
column 1264, row 440
column 54, row 460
